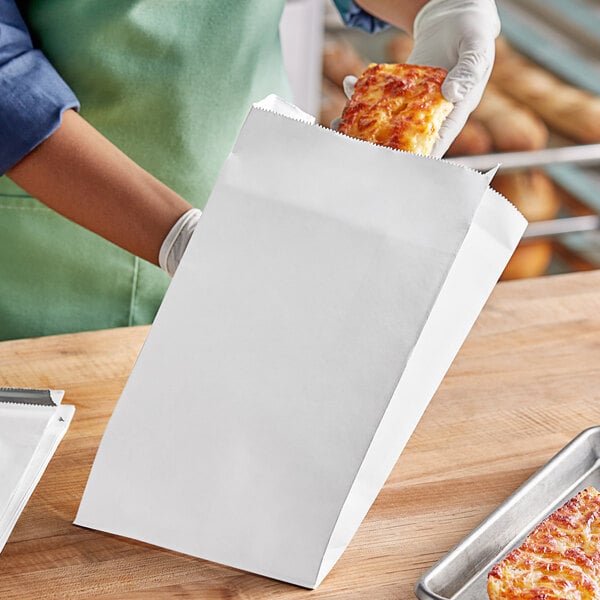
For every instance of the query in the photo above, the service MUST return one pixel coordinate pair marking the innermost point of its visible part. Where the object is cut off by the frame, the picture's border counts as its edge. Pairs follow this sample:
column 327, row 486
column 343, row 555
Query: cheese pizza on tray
column 559, row 559
column 397, row 105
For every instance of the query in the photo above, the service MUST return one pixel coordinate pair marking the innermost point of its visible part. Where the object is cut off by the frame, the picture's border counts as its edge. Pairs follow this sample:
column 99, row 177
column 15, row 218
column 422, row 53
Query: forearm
column 400, row 13
column 80, row 174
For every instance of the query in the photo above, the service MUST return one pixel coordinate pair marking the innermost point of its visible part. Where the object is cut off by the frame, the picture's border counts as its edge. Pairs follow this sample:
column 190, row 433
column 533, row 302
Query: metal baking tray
column 462, row 573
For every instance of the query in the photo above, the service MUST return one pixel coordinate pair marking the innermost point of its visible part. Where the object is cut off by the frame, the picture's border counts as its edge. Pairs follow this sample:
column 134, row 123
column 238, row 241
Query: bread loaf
column 341, row 59
column 531, row 191
column 530, row 259
column 535, row 195
column 564, row 108
column 512, row 127
column 473, row 139
column 399, row 47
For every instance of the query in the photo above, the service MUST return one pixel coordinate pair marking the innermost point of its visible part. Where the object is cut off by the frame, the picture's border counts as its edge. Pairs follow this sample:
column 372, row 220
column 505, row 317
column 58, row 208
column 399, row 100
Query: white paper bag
column 326, row 291
column 29, row 436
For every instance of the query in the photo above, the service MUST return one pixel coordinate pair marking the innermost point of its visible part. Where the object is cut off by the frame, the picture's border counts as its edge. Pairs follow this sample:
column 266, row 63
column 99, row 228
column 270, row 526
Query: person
column 118, row 115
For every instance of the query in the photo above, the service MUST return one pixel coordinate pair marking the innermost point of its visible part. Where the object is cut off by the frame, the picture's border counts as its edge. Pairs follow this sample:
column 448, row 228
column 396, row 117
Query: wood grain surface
column 526, row 382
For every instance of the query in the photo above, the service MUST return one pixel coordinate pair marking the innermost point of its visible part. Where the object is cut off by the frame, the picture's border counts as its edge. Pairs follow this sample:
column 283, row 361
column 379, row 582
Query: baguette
column 531, row 191
column 530, row 259
column 535, row 195
column 564, row 108
column 341, row 59
column 513, row 127
column 473, row 139
column 399, row 48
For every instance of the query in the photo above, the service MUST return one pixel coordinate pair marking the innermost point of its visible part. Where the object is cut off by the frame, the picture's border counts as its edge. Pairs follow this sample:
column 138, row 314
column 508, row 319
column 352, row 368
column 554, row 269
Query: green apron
column 169, row 82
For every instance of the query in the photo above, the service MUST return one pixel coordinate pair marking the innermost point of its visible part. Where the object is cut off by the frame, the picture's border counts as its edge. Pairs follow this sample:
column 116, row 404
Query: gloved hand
column 459, row 36
column 177, row 239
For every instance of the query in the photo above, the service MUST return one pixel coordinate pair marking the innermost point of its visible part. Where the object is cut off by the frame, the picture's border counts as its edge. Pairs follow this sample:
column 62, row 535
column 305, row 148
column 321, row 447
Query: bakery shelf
column 582, row 154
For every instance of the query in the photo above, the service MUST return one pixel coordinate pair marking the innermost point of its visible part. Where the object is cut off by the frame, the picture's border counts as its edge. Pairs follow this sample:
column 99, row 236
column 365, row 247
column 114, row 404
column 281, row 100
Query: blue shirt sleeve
column 33, row 96
column 354, row 16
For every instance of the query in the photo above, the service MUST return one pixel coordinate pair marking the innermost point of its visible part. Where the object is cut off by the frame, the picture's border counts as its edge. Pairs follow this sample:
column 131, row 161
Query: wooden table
column 526, row 382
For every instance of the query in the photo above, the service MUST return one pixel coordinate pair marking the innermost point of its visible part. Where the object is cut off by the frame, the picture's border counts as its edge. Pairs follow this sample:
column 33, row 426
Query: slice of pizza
column 397, row 105
column 559, row 559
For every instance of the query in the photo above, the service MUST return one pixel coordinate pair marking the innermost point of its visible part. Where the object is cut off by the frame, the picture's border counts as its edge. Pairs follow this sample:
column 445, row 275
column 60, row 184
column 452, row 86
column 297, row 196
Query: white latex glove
column 348, row 85
column 177, row 239
column 459, row 36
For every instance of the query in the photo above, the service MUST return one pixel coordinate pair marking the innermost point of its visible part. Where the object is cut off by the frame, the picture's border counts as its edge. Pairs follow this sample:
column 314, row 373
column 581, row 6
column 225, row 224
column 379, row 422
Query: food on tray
column 559, row 559
column 566, row 109
column 512, row 126
column 397, row 105
column 341, row 59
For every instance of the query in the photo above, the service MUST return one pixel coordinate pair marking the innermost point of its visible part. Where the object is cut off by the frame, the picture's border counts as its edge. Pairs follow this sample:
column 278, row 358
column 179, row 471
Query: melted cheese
column 559, row 559
column 400, row 106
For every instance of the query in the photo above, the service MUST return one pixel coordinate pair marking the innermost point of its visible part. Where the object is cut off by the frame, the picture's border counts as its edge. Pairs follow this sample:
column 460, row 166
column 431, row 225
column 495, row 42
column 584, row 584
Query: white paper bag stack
column 325, row 293
column 29, row 434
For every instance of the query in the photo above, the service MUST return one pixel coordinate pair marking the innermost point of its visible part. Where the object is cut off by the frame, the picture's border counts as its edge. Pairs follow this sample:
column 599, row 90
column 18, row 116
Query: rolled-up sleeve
column 354, row 16
column 33, row 96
